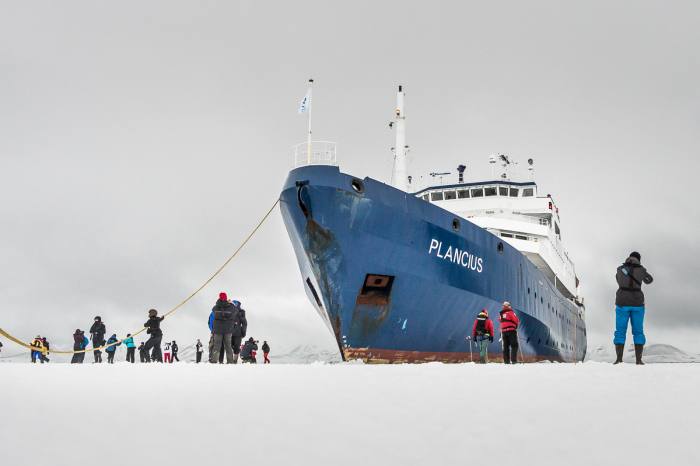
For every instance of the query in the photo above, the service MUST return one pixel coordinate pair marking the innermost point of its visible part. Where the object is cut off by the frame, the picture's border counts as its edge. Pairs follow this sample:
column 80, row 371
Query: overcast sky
column 141, row 142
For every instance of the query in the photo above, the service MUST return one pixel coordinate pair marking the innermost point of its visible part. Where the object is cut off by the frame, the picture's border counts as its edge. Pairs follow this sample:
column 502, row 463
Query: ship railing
column 483, row 176
column 516, row 217
column 321, row 153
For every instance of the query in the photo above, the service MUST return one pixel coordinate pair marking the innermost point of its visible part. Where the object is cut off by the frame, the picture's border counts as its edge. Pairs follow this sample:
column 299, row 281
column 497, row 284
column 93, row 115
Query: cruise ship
column 399, row 272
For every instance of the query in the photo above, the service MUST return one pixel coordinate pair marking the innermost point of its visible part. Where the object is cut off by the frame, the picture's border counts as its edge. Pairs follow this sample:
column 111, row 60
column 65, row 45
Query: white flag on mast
column 304, row 103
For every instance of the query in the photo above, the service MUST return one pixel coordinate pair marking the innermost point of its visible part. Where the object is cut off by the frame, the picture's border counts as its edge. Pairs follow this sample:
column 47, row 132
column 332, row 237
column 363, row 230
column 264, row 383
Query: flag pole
column 308, row 142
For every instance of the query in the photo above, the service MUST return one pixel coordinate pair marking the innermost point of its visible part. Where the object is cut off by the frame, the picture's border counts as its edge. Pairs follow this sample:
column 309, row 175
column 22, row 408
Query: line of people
column 97, row 335
column 227, row 325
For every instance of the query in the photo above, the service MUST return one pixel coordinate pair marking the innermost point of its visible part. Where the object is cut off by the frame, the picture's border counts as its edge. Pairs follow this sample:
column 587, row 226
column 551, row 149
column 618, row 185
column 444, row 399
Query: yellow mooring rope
column 10, row 337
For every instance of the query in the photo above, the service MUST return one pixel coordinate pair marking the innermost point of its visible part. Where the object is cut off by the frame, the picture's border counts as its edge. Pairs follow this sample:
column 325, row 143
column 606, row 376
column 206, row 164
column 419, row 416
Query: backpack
column 481, row 326
column 85, row 343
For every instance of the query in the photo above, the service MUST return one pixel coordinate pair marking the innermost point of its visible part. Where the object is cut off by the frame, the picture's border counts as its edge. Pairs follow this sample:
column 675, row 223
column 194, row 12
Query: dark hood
column 99, row 319
column 632, row 261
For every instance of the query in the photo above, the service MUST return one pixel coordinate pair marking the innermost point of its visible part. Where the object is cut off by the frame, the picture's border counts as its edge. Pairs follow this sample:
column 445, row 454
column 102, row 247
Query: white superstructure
column 514, row 211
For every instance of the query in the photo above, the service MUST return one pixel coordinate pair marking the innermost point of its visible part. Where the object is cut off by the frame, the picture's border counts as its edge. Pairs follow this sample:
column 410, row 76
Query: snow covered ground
column 348, row 414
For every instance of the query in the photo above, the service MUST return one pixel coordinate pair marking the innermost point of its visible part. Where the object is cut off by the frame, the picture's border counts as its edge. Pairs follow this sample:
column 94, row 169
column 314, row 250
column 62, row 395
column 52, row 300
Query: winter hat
column 98, row 318
column 506, row 304
column 485, row 311
column 223, row 296
column 251, row 340
column 77, row 331
column 152, row 313
column 128, row 335
column 637, row 255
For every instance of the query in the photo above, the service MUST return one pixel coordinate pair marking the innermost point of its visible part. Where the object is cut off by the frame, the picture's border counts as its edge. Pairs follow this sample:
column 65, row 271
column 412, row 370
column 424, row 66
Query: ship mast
column 400, row 175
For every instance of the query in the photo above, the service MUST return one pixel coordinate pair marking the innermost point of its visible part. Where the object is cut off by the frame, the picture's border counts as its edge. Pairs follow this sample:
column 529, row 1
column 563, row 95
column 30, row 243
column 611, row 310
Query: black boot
column 619, row 351
column 638, row 350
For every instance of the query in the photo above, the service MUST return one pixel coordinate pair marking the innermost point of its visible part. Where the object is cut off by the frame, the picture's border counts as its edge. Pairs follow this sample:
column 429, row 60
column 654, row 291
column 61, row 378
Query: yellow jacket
column 38, row 345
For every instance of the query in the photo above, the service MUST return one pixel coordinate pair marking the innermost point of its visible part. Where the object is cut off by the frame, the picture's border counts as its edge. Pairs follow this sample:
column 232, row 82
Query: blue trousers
column 624, row 314
column 483, row 348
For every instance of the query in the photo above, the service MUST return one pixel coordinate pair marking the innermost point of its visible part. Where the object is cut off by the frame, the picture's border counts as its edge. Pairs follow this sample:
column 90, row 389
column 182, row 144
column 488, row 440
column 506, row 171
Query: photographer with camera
column 248, row 350
column 156, row 333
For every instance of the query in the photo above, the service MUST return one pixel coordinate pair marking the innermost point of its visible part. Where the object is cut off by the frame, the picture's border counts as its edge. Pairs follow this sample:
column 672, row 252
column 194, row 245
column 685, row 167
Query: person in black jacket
column 47, row 346
column 156, row 333
column 630, row 306
column 78, row 344
column 198, row 347
column 266, row 351
column 142, row 353
column 175, row 350
column 248, row 349
column 97, row 335
column 225, row 317
column 239, row 330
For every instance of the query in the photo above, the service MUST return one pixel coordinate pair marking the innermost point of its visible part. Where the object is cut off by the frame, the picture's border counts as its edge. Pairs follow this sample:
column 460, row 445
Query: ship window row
column 480, row 191
column 505, row 234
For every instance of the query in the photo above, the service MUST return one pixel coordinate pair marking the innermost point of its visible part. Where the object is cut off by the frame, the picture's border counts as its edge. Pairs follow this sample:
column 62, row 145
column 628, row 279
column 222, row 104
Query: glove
column 242, row 335
column 491, row 339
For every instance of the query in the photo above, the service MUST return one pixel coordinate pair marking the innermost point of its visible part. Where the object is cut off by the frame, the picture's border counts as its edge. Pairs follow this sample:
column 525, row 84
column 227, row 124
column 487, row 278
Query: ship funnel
column 461, row 169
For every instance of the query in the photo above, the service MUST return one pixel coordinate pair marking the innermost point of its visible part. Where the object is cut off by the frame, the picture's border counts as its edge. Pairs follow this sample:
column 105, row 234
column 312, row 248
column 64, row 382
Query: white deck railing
column 484, row 176
column 322, row 153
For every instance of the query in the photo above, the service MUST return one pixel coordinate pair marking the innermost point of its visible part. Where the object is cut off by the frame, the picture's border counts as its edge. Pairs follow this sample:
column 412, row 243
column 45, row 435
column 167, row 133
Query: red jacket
column 509, row 321
column 488, row 324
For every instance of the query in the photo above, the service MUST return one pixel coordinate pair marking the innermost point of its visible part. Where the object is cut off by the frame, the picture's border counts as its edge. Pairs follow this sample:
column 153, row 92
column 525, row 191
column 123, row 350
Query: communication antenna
column 400, row 179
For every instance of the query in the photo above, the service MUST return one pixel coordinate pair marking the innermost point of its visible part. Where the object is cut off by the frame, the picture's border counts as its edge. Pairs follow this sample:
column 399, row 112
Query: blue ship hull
column 395, row 281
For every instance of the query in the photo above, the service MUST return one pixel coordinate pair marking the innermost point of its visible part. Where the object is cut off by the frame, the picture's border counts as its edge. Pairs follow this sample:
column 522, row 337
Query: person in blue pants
column 630, row 306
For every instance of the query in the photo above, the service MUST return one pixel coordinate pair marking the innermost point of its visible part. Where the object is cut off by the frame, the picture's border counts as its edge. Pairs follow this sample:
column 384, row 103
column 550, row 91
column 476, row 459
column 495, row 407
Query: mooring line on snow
column 86, row 350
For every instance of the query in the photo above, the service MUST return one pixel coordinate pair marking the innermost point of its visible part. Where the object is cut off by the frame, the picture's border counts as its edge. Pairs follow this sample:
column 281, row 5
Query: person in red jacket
column 509, row 333
column 483, row 334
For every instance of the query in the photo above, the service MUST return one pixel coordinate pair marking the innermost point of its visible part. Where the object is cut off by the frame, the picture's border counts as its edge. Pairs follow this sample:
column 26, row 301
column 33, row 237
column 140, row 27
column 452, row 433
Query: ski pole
column 521, row 347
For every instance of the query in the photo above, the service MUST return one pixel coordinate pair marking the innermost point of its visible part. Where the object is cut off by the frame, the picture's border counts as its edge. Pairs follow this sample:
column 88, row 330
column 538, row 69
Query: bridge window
column 490, row 190
column 521, row 237
column 462, row 194
column 507, row 235
column 528, row 192
column 502, row 191
column 436, row 196
column 449, row 195
column 514, row 192
column 426, row 197
column 478, row 192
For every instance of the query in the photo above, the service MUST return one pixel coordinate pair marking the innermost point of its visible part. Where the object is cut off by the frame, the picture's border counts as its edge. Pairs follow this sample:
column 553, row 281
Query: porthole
column 357, row 185
column 500, row 248
column 455, row 224
column 541, row 300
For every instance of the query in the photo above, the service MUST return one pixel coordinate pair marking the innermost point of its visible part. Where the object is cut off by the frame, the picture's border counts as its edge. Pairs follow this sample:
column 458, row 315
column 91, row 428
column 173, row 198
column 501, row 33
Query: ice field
column 349, row 414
